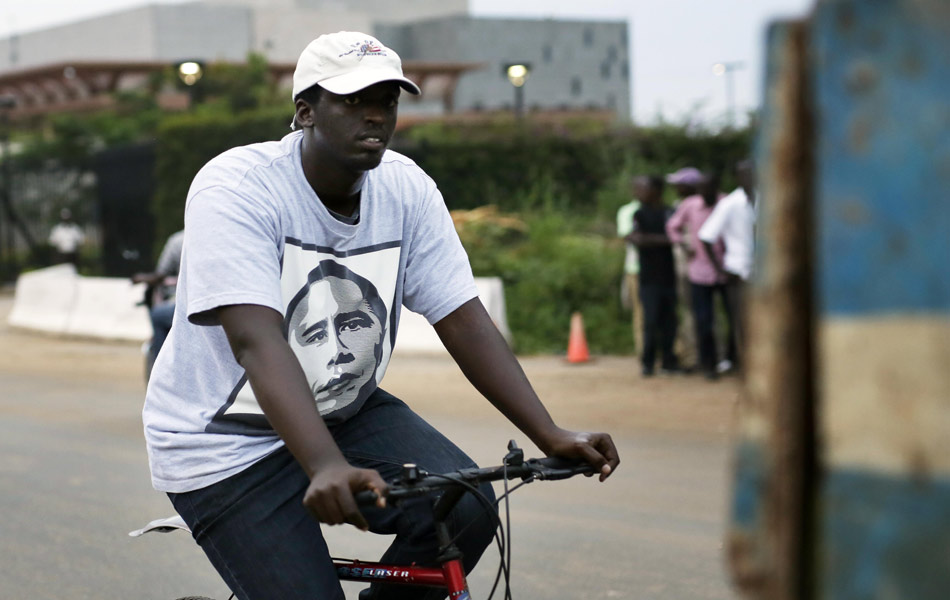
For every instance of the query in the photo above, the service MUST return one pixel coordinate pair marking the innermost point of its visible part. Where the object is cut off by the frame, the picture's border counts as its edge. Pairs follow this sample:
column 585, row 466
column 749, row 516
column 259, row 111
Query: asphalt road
column 74, row 480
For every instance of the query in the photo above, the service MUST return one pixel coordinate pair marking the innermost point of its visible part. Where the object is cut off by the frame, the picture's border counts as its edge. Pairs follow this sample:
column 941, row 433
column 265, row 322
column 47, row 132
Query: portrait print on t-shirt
column 338, row 320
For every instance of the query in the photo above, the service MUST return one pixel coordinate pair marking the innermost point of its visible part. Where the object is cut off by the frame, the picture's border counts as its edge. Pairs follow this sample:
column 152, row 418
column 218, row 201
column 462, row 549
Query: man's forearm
column 713, row 257
column 640, row 238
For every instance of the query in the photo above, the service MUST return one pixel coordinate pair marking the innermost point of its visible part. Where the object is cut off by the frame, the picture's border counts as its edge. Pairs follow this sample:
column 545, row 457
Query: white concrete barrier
column 57, row 300
column 44, row 299
column 107, row 307
column 415, row 335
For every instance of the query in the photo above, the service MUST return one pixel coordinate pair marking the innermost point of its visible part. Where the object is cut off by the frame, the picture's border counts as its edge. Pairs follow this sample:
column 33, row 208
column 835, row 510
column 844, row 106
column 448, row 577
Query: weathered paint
column 886, row 391
column 882, row 89
column 885, row 536
column 878, row 523
column 881, row 71
column 769, row 499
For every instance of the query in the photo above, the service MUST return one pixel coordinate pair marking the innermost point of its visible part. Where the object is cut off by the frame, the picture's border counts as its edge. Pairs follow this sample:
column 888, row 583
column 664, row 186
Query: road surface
column 74, row 479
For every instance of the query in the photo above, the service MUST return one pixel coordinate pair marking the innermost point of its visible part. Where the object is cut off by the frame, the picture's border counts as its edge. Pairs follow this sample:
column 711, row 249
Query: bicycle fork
column 450, row 557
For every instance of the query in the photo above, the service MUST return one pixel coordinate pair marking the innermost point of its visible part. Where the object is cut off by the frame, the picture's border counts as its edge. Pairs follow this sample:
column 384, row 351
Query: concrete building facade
column 573, row 64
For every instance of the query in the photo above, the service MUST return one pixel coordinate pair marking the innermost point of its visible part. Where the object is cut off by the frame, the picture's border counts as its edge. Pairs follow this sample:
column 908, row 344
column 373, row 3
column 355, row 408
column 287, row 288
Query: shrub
column 555, row 267
column 186, row 142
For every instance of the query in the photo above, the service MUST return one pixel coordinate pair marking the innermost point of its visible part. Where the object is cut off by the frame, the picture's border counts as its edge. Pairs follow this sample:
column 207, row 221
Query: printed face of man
column 335, row 335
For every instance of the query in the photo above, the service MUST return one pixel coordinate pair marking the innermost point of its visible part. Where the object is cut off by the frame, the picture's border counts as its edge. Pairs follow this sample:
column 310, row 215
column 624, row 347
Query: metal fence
column 109, row 197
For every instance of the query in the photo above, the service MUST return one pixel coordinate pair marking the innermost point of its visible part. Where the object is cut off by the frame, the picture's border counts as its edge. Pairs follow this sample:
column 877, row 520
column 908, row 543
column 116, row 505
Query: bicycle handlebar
column 417, row 483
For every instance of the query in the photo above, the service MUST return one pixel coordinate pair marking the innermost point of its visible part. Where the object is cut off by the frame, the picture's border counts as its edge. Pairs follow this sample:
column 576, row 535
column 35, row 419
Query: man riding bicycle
column 263, row 415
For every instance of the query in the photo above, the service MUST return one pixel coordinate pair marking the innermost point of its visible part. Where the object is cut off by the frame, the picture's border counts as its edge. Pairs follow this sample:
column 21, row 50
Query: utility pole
column 726, row 69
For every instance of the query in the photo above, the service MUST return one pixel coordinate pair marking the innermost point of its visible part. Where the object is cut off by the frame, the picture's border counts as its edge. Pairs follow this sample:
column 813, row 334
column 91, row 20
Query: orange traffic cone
column 577, row 343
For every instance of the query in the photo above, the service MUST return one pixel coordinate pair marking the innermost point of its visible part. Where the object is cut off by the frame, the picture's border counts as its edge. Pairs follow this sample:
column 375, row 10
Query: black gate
column 125, row 178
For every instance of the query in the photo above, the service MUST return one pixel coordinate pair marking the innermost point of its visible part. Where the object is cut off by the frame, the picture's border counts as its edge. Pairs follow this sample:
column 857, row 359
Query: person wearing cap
column 685, row 182
column 309, row 247
column 705, row 283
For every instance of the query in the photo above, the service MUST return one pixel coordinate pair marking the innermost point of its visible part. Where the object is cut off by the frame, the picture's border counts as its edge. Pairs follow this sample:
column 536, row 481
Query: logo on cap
column 364, row 48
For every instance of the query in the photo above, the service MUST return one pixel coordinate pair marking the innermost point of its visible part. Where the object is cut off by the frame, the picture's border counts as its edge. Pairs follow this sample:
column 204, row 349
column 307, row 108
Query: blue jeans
column 265, row 544
column 703, row 297
column 161, row 315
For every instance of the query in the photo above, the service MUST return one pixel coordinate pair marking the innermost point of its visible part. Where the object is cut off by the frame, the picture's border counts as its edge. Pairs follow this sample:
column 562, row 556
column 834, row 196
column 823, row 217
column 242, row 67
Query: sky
column 674, row 44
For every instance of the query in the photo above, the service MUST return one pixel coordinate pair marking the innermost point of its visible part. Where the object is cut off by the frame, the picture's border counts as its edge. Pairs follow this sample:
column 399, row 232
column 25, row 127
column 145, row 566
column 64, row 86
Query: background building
column 574, row 65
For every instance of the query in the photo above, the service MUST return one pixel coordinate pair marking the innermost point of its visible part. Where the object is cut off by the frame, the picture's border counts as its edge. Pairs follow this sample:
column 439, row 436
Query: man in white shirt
column 733, row 222
column 66, row 237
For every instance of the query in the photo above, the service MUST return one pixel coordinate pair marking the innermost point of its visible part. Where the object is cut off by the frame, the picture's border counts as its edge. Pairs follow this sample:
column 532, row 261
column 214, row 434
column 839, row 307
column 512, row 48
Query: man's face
column 354, row 130
column 745, row 175
column 684, row 190
column 642, row 190
column 337, row 331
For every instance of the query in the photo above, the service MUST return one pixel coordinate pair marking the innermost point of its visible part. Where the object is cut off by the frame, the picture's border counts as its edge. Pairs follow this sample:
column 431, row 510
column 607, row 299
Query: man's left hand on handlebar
column 597, row 449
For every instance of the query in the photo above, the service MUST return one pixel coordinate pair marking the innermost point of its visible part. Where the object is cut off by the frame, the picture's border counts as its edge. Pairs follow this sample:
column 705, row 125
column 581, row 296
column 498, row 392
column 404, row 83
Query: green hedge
column 515, row 166
column 186, row 142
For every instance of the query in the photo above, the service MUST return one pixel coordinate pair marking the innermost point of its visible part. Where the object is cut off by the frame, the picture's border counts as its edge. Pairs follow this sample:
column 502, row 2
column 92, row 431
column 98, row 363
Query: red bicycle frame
column 450, row 576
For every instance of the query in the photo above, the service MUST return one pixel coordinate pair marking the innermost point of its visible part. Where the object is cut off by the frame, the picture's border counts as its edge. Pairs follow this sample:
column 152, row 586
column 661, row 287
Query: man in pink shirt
column 705, row 281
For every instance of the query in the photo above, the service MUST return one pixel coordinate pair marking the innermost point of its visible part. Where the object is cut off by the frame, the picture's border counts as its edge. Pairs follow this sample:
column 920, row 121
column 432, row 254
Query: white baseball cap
column 346, row 62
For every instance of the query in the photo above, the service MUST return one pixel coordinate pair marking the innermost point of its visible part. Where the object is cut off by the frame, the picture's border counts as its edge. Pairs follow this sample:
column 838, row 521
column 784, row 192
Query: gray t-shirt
column 256, row 233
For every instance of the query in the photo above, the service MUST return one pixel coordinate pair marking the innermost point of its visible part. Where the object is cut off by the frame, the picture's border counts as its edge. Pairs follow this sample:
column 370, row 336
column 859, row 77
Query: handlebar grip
column 555, row 467
column 365, row 498
column 556, row 462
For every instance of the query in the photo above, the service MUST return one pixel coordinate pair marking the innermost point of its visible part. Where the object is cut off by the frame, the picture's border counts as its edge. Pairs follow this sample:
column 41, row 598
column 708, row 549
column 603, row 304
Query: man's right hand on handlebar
column 596, row 449
column 329, row 497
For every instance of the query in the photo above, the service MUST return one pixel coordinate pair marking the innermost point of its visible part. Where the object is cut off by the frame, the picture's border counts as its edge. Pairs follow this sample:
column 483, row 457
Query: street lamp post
column 7, row 103
column 517, row 74
column 726, row 69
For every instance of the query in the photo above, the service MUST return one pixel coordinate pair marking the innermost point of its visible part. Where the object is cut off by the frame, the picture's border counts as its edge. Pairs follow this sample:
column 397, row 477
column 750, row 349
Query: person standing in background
column 67, row 237
column 630, row 284
column 657, row 276
column 686, row 182
column 163, row 282
column 705, row 282
column 733, row 222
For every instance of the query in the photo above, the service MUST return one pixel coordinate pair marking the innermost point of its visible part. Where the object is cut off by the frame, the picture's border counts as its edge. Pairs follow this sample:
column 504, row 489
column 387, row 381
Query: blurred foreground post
column 842, row 474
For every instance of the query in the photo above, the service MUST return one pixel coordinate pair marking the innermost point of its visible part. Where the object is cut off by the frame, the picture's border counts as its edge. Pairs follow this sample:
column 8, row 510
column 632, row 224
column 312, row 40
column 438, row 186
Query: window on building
column 547, row 53
column 576, row 86
column 624, row 70
column 611, row 52
column 605, row 70
column 588, row 37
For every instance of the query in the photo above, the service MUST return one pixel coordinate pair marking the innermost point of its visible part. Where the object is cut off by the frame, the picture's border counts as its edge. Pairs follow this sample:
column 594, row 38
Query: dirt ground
column 608, row 389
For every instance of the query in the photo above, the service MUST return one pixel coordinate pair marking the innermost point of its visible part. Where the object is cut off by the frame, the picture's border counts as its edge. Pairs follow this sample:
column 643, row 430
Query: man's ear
column 304, row 114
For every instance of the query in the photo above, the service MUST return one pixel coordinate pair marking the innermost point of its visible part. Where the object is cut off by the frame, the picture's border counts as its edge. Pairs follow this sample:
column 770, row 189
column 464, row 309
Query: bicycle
column 415, row 482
